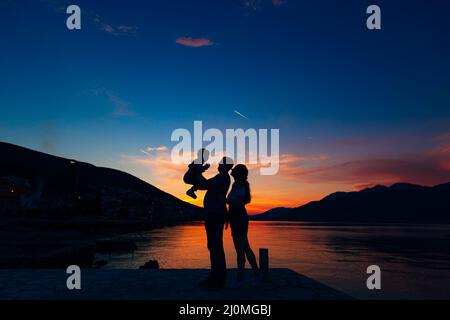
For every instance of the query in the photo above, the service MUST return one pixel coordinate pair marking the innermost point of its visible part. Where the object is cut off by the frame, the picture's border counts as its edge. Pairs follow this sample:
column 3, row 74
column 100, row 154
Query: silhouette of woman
column 238, row 197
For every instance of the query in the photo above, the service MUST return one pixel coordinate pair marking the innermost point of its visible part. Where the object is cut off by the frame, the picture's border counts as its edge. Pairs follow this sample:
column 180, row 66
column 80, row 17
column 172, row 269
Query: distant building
column 12, row 192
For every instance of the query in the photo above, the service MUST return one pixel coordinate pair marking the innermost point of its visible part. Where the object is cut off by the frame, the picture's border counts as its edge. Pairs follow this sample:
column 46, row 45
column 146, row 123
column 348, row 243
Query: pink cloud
column 428, row 165
column 194, row 42
column 127, row 29
column 363, row 142
column 122, row 108
column 428, row 168
column 163, row 170
column 256, row 5
column 107, row 28
column 111, row 28
column 116, row 30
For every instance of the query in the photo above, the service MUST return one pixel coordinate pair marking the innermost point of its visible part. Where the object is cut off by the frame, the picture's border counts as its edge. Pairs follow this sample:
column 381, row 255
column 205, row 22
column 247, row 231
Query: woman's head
column 240, row 173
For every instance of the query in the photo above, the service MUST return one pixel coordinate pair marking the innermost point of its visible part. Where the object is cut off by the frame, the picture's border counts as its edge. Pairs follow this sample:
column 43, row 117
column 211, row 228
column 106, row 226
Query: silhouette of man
column 215, row 209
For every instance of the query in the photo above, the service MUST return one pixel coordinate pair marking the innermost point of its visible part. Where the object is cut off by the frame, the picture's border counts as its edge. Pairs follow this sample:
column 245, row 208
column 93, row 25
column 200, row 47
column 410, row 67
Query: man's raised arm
column 208, row 184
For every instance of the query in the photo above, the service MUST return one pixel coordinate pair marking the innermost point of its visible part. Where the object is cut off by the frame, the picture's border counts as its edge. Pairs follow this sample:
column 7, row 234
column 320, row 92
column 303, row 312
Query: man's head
column 202, row 156
column 226, row 164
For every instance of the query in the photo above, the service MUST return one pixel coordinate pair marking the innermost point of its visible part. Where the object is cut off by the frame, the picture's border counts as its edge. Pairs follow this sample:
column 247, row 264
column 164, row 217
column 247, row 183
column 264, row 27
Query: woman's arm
column 236, row 198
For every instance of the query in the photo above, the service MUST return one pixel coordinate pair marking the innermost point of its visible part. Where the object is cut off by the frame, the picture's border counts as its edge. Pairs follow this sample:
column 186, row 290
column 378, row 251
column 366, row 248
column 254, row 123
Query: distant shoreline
column 52, row 243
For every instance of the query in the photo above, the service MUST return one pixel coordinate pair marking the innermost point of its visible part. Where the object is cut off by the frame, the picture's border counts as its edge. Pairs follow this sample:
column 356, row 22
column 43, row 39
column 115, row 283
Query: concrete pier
column 163, row 284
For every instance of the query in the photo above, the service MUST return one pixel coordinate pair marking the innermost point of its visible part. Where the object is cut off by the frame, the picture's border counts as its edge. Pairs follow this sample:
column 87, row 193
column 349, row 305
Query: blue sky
column 310, row 68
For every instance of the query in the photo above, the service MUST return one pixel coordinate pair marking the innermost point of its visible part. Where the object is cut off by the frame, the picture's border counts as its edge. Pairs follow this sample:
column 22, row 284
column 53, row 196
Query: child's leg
column 191, row 192
column 199, row 180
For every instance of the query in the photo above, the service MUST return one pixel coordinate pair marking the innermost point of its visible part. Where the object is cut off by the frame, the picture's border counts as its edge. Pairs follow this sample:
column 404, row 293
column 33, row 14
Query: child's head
column 203, row 155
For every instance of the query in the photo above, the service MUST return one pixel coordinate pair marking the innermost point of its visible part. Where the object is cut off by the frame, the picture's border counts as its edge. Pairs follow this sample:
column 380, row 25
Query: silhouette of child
column 194, row 175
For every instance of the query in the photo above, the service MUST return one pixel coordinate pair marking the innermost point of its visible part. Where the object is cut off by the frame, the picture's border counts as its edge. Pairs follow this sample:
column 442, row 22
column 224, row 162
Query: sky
column 355, row 108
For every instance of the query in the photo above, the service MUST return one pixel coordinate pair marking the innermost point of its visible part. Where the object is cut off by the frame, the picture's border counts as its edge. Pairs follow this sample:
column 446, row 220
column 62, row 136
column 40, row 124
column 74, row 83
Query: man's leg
column 207, row 281
column 214, row 233
column 210, row 243
column 221, row 262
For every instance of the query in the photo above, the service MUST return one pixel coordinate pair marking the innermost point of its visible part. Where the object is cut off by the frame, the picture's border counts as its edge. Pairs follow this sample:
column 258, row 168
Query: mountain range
column 35, row 183
column 38, row 184
column 400, row 202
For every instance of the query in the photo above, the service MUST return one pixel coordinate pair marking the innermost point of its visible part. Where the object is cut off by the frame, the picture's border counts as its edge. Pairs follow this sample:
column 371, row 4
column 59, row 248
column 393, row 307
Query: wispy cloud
column 110, row 28
column 149, row 150
column 194, row 42
column 127, row 29
column 429, row 168
column 306, row 177
column 256, row 5
column 277, row 3
column 122, row 108
column 158, row 169
column 421, row 170
column 164, row 171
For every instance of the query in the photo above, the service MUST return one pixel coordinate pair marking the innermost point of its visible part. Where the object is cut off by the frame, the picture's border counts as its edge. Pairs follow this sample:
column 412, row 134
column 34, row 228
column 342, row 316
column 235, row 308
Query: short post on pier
column 264, row 263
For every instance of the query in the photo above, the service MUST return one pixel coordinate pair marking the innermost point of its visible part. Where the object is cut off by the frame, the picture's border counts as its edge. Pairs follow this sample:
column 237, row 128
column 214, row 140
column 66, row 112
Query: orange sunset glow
column 307, row 177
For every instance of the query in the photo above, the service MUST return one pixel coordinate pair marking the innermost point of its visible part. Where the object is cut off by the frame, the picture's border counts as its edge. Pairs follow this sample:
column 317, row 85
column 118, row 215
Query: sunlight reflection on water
column 415, row 260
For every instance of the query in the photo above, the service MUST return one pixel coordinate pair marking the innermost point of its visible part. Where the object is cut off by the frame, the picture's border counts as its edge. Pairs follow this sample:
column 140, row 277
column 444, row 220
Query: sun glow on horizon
column 304, row 177
column 268, row 192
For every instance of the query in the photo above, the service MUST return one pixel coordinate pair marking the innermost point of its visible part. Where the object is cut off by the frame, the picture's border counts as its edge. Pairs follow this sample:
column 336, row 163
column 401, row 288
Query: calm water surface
column 415, row 260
